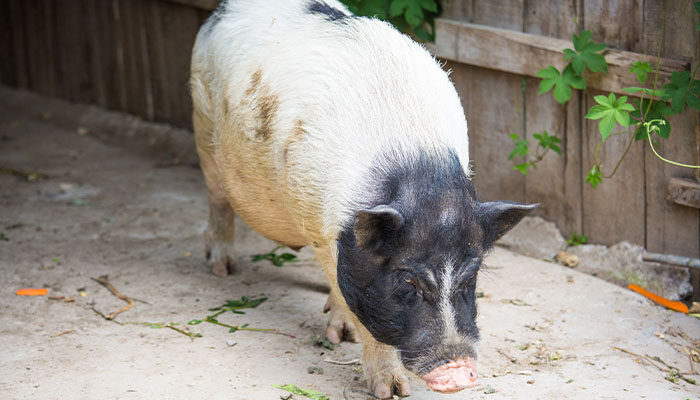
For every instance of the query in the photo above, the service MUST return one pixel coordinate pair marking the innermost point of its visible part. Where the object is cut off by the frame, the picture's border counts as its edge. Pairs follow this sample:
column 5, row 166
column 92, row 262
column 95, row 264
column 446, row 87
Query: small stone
column 230, row 343
column 531, row 382
column 315, row 370
column 566, row 258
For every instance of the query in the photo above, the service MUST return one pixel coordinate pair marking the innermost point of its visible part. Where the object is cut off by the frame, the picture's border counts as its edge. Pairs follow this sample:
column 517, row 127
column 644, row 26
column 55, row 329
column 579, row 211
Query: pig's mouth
column 453, row 376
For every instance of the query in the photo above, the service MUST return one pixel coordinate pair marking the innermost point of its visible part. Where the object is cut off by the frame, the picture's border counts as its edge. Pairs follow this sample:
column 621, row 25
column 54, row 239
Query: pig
column 324, row 129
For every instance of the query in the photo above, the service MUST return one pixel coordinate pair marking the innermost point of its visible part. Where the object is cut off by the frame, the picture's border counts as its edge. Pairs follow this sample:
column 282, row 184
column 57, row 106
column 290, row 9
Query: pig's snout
column 453, row 376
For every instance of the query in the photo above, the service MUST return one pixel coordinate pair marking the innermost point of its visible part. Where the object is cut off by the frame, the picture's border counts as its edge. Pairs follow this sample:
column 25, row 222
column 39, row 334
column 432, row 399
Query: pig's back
column 306, row 100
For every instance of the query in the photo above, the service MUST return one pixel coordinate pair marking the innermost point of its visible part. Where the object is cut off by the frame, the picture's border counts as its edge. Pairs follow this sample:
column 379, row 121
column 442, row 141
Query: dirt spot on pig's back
column 267, row 106
column 298, row 133
column 258, row 109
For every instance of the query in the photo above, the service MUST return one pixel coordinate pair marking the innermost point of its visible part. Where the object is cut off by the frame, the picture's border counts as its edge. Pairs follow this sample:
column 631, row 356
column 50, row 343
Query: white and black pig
column 320, row 128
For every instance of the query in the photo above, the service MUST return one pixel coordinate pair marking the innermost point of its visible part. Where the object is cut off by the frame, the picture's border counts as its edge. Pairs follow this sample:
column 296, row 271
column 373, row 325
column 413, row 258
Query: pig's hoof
column 222, row 268
column 221, row 259
column 340, row 326
column 384, row 384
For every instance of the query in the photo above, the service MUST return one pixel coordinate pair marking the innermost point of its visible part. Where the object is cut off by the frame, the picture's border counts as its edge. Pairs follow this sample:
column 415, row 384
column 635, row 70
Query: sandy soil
column 548, row 331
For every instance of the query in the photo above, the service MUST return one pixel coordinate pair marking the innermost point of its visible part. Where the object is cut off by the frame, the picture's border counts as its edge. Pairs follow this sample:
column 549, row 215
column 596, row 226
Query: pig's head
column 408, row 264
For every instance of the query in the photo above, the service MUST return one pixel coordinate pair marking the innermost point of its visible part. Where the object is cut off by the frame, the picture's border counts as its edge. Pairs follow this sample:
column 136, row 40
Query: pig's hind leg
column 218, row 238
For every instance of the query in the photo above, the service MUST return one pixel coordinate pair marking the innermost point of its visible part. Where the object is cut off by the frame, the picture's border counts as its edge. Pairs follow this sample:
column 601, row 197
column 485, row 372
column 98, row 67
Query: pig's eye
column 408, row 291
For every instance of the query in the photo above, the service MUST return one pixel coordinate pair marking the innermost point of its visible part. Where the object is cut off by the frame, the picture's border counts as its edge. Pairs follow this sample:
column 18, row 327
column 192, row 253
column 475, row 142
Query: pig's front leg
column 218, row 238
column 383, row 369
column 341, row 324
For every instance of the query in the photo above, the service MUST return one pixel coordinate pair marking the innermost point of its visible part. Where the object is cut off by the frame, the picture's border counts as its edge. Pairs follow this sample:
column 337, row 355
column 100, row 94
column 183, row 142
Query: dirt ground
column 548, row 331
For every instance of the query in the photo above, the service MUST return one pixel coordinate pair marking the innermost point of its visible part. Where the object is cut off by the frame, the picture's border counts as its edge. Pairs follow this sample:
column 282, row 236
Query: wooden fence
column 133, row 56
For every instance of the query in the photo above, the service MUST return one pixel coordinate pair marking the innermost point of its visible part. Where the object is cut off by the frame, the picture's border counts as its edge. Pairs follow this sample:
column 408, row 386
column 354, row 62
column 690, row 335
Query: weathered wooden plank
column 34, row 21
column 614, row 210
column 556, row 183
column 671, row 228
column 8, row 74
column 19, row 43
column 97, row 53
column 505, row 14
column 159, row 63
column 180, row 25
column 685, row 192
column 203, row 4
column 494, row 109
column 522, row 53
column 459, row 10
column 136, row 86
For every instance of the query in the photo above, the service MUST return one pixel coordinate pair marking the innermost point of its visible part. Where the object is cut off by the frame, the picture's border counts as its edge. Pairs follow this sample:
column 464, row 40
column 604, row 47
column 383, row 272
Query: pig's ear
column 498, row 217
column 376, row 227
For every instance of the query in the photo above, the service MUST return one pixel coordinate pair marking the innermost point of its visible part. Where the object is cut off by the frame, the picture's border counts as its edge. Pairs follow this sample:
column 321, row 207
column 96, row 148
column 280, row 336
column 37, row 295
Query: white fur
column 359, row 86
column 447, row 311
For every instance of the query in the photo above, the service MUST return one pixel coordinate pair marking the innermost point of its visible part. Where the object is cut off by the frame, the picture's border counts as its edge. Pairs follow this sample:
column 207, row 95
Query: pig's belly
column 259, row 203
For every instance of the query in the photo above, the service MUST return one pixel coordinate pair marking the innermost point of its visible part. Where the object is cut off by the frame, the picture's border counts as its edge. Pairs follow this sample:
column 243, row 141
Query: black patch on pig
column 331, row 13
column 422, row 214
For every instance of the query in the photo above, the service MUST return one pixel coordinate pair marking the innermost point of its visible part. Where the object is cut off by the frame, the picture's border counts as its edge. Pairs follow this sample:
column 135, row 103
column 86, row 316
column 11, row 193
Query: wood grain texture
column 494, row 109
column 522, row 53
column 556, row 183
column 614, row 210
column 684, row 192
column 159, row 63
column 203, row 4
column 8, row 73
column 459, row 10
column 180, row 25
column 671, row 228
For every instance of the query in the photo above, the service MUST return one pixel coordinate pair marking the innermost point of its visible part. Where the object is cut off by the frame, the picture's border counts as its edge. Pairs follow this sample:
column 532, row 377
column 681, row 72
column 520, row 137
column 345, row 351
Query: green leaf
column 610, row 110
column 398, row 7
column 682, row 91
column 586, row 54
column 520, row 148
column 650, row 92
column 414, row 15
column 373, row 8
column 429, row 5
column 697, row 6
column 312, row 394
column 641, row 69
column 548, row 142
column 594, row 178
column 658, row 110
column 562, row 83
column 522, row 167
column 195, row 322
column 576, row 239
column 325, row 343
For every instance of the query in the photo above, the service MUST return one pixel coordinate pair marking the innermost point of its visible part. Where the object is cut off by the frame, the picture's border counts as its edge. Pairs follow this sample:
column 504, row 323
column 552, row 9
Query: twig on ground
column 102, row 280
column 649, row 359
column 104, row 316
column 63, row 333
column 348, row 362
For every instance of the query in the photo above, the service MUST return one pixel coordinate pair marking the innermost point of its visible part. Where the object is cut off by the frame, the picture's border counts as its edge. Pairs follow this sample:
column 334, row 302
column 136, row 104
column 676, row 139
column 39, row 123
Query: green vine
column 414, row 17
column 644, row 118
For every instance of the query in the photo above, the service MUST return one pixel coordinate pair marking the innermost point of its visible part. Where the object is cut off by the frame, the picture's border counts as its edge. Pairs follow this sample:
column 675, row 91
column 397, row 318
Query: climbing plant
column 415, row 17
column 645, row 118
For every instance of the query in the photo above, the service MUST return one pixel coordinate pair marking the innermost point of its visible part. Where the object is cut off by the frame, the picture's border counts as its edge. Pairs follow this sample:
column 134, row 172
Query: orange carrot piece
column 32, row 292
column 673, row 305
